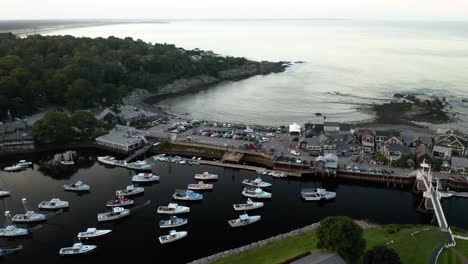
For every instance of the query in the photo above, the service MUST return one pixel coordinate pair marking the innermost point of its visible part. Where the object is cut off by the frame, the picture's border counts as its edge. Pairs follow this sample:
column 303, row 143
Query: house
column 459, row 165
column 395, row 152
column 454, row 141
column 195, row 58
column 313, row 145
column 331, row 127
column 329, row 162
column 294, row 129
column 15, row 135
column 382, row 136
column 367, row 140
column 107, row 116
column 412, row 141
column 346, row 129
column 329, row 146
column 130, row 113
column 442, row 152
column 423, row 153
column 350, row 145
column 316, row 129
column 123, row 139
column 393, row 141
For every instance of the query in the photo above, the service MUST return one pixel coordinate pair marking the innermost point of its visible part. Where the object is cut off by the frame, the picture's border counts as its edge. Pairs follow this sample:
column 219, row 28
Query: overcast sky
column 234, row 9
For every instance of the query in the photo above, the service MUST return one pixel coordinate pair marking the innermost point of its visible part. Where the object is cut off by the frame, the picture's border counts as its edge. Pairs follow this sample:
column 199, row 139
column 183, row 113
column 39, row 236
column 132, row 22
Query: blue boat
column 187, row 195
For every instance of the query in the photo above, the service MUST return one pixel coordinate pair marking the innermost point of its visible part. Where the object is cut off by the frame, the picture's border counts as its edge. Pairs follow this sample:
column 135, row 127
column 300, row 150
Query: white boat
column 206, row 176
column 256, row 183
column 130, row 190
column 116, row 213
column 78, row 186
column 92, row 232
column 244, row 220
column 255, row 193
column 145, row 177
column 77, row 249
column 249, row 205
column 10, row 230
column 277, row 174
column 139, row 165
column 119, row 201
column 172, row 236
column 173, row 221
column 13, row 168
column 187, row 195
column 4, row 193
column 54, row 203
column 173, row 208
column 182, row 162
column 28, row 216
column 24, row 163
column 200, row 186
column 319, row 194
column 67, row 162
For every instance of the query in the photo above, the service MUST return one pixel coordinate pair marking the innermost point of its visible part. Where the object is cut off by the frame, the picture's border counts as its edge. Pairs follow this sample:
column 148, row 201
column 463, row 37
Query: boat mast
column 8, row 221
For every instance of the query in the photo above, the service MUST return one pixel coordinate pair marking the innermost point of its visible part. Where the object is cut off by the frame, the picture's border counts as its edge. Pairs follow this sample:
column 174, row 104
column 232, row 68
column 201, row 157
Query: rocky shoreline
column 197, row 83
column 364, row 224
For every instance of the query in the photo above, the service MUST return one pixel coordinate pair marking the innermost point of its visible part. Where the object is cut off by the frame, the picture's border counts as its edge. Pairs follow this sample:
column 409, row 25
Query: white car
column 295, row 153
column 299, row 160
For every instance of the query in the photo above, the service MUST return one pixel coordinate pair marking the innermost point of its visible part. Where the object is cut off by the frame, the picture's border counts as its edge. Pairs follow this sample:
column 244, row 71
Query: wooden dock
column 230, row 165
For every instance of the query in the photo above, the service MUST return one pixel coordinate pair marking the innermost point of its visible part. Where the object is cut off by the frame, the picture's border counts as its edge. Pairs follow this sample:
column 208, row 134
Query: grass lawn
column 412, row 249
column 448, row 257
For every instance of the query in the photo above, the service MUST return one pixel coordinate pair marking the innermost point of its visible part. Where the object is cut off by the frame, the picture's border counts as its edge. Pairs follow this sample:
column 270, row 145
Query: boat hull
column 172, row 212
column 104, row 218
column 180, row 235
column 237, row 223
column 163, row 224
column 98, row 234
column 69, row 251
column 246, row 207
column 21, row 219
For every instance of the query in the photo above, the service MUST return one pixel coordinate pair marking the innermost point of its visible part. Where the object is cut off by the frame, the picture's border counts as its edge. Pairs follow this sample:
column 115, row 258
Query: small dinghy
column 139, row 165
column 249, row 205
column 54, row 203
column 28, row 216
column 130, row 190
column 173, row 221
column 187, row 195
column 255, row 193
column 13, row 168
column 319, row 194
column 206, row 176
column 145, row 177
column 4, row 193
column 119, row 201
column 77, row 249
column 173, row 236
column 200, row 186
column 10, row 230
column 78, row 186
column 173, row 208
column 5, row 251
column 92, row 232
column 256, row 183
column 277, row 174
column 244, row 220
column 116, row 213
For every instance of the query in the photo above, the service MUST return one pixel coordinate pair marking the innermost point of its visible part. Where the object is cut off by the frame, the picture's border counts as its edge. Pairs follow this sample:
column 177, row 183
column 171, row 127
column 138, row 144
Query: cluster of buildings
column 15, row 135
column 123, row 139
column 126, row 114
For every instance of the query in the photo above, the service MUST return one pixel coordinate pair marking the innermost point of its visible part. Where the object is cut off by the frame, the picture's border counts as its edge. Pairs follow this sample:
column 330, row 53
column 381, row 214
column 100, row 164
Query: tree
column 380, row 157
column 342, row 235
column 381, row 255
column 53, row 128
column 85, row 122
column 438, row 164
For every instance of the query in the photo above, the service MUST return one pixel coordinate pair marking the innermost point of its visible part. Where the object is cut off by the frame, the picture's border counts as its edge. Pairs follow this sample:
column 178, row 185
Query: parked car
column 295, row 153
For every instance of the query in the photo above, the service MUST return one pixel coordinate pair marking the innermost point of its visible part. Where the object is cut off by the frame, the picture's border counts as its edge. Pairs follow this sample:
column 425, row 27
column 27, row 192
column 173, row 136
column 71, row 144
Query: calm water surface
column 135, row 238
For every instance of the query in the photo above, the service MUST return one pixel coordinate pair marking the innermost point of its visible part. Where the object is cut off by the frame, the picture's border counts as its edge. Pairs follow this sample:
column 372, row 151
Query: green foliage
column 380, row 157
column 85, row 123
column 403, row 161
column 381, row 255
column 83, row 72
column 342, row 235
column 437, row 164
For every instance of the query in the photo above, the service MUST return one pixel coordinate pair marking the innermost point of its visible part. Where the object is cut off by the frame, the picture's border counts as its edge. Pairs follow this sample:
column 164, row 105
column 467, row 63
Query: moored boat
column 206, row 176
column 78, row 186
column 255, row 193
column 77, row 249
column 172, row 236
column 129, row 190
column 187, row 195
column 173, row 208
column 145, row 177
column 249, row 205
column 28, row 216
column 54, row 203
column 13, row 168
column 119, row 201
column 173, row 221
column 244, row 220
column 24, row 163
column 139, row 165
column 10, row 230
column 277, row 174
column 318, row 194
column 4, row 193
column 92, row 232
column 116, row 213
column 256, row 183
column 200, row 186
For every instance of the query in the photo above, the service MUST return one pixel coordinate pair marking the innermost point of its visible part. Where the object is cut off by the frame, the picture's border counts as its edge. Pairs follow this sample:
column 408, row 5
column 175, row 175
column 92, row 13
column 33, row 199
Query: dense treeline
column 83, row 72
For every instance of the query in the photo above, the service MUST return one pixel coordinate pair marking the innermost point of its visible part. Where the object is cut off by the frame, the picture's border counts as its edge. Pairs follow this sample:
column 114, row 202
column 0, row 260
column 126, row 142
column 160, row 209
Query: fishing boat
column 4, row 193
column 261, row 172
column 54, row 203
column 10, row 230
column 139, row 165
column 5, row 251
column 119, row 201
column 116, row 213
column 77, row 249
column 24, row 163
column 249, row 205
column 130, row 190
column 244, row 220
column 173, row 221
column 172, row 236
column 108, row 160
column 318, row 194
column 173, row 208
column 15, row 167
column 187, row 195
column 256, row 183
column 200, row 186
column 182, row 162
column 92, row 232
column 28, row 216
column 145, row 177
column 277, row 174
column 78, row 186
column 255, row 193
column 206, row 176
